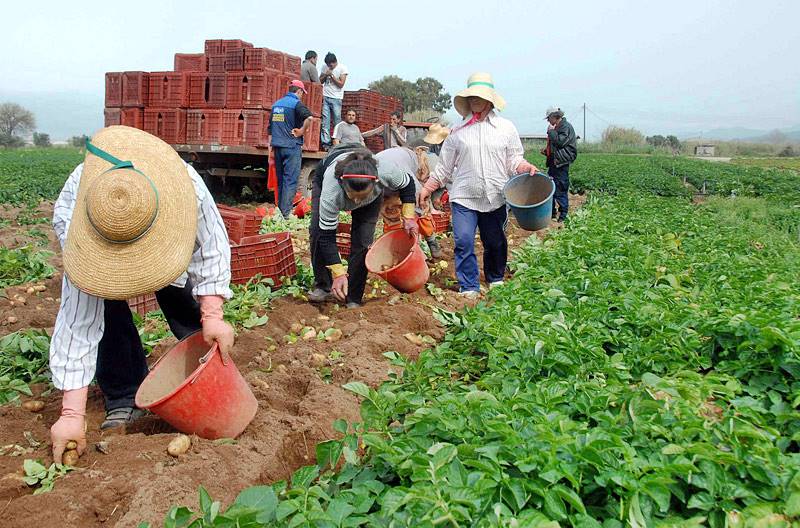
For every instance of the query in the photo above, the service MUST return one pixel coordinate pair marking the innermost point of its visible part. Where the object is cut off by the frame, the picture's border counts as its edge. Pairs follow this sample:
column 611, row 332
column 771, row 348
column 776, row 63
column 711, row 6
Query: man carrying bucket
column 132, row 219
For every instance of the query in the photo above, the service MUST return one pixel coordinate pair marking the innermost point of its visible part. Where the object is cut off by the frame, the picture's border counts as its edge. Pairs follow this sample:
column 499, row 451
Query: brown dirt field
column 298, row 402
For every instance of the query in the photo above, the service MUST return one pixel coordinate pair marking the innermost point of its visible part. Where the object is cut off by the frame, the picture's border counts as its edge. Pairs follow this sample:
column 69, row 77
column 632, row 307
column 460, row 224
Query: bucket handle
column 537, row 173
column 205, row 359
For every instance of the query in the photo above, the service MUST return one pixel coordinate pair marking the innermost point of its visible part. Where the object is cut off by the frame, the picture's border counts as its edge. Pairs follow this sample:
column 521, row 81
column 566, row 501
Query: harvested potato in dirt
column 179, row 445
column 414, row 338
column 40, row 287
column 12, row 320
column 71, row 445
column 317, row 360
column 33, row 405
column 334, row 334
column 296, row 328
column 20, row 299
column 308, row 333
column 70, row 457
column 30, row 291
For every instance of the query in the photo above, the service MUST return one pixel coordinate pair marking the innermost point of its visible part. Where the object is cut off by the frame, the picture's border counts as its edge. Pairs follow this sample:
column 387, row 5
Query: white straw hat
column 436, row 134
column 135, row 219
column 478, row 85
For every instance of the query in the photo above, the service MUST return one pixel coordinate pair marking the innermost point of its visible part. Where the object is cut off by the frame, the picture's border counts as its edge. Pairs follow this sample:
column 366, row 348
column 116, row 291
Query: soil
column 136, row 480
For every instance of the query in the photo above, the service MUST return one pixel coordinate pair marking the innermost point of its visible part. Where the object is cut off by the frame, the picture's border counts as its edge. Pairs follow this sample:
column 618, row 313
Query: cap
column 299, row 84
column 553, row 110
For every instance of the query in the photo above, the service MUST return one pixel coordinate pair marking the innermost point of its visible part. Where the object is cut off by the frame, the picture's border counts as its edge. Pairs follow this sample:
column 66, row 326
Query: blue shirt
column 288, row 113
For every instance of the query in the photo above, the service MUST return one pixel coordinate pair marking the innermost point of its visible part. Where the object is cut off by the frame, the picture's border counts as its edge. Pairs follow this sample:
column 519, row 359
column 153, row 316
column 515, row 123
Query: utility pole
column 584, row 122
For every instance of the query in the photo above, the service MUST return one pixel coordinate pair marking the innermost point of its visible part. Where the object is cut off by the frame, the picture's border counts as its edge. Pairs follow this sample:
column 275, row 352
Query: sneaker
column 470, row 294
column 319, row 295
column 495, row 284
column 121, row 416
column 353, row 304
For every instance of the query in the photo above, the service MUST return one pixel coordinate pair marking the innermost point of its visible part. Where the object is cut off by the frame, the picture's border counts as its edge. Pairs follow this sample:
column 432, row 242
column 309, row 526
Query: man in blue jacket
column 288, row 123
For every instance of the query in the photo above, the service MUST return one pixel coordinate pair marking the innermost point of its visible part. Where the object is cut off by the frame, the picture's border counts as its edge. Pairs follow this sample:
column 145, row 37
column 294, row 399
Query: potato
column 12, row 320
column 334, row 335
column 443, row 264
column 40, row 287
column 20, row 299
column 308, row 333
column 317, row 360
column 70, row 457
column 34, row 406
column 179, row 445
column 71, row 445
column 296, row 328
column 30, row 291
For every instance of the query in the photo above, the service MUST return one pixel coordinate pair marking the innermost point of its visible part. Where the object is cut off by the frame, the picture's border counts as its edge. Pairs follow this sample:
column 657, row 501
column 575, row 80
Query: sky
column 677, row 67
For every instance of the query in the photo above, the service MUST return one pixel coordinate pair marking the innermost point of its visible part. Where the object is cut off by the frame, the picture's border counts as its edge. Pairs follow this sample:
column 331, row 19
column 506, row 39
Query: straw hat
column 133, row 227
column 436, row 134
column 478, row 85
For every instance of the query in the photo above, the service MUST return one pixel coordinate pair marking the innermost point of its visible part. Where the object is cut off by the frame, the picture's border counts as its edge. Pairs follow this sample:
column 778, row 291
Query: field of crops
column 28, row 175
column 769, row 163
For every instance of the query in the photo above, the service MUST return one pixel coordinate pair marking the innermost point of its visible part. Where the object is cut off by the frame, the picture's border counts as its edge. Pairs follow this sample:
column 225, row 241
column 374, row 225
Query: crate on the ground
column 190, row 62
column 169, row 89
column 167, row 123
column 441, row 222
column 112, row 116
column 234, row 59
column 245, row 127
column 311, row 137
column 207, row 90
column 133, row 117
column 135, row 86
column 216, row 63
column 252, row 220
column 250, row 89
column 203, row 126
column 113, row 89
column 270, row 255
column 234, row 225
column 143, row 304
column 291, row 65
column 343, row 240
column 313, row 100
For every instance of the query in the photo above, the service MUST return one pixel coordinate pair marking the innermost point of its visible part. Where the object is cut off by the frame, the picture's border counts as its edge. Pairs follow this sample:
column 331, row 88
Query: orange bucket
column 397, row 258
column 190, row 389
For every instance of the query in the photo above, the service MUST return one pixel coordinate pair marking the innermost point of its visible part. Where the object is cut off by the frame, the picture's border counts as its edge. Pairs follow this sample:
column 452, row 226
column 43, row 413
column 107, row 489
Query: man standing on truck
column 333, row 78
column 561, row 150
column 308, row 70
column 288, row 122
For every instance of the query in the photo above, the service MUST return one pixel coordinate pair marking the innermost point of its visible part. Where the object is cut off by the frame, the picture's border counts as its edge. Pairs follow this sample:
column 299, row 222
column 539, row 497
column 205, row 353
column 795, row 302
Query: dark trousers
column 121, row 362
column 362, row 233
column 560, row 177
column 495, row 247
column 287, row 170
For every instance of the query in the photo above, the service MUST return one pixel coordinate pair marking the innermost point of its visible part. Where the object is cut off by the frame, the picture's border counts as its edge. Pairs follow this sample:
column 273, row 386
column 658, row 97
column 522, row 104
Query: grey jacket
column 563, row 144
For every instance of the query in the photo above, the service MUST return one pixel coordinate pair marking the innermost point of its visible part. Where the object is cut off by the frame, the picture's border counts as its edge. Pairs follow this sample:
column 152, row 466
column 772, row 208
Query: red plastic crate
column 114, row 89
column 234, row 225
column 169, row 89
column 270, row 255
column 441, row 222
column 135, row 86
column 245, row 127
column 343, row 240
column 313, row 99
column 167, row 123
column 216, row 63
column 215, row 46
column 207, row 90
column 250, row 90
column 143, row 304
column 112, row 116
column 374, row 143
column 234, row 59
column 261, row 59
column 190, row 62
column 203, row 126
column 311, row 137
column 291, row 65
column 252, row 220
column 281, row 85
column 133, row 117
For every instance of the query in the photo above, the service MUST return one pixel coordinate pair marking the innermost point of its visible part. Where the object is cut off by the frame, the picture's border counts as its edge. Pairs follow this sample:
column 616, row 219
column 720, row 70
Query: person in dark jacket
column 289, row 121
column 561, row 150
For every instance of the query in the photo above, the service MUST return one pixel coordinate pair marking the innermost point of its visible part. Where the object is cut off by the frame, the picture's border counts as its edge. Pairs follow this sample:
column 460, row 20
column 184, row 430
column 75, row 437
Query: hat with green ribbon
column 479, row 85
column 135, row 218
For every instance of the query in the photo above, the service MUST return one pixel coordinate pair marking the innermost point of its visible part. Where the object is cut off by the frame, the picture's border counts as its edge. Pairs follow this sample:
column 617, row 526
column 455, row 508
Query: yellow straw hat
column 479, row 85
column 436, row 134
column 135, row 219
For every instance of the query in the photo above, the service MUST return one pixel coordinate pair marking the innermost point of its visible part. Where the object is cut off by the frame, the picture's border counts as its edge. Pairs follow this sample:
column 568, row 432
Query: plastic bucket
column 190, row 389
column 531, row 199
column 398, row 259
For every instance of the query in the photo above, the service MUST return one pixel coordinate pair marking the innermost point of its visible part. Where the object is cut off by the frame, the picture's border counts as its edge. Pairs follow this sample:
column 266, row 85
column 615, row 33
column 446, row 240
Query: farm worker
column 333, row 77
column 394, row 133
column 133, row 218
column 308, row 70
column 560, row 151
column 391, row 208
column 478, row 157
column 350, row 178
column 288, row 122
column 347, row 131
column 435, row 137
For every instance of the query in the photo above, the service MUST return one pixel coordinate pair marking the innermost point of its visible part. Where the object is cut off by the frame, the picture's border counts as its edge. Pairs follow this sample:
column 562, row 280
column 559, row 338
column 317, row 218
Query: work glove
column 340, row 285
column 410, row 220
column 214, row 328
column 72, row 423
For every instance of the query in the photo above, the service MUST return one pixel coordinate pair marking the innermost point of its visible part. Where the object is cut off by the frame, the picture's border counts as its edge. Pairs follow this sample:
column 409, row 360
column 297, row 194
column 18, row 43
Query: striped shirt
column 79, row 324
column 478, row 160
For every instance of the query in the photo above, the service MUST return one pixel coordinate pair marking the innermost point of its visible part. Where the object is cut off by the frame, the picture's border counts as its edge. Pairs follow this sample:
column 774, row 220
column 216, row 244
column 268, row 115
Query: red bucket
column 398, row 258
column 195, row 393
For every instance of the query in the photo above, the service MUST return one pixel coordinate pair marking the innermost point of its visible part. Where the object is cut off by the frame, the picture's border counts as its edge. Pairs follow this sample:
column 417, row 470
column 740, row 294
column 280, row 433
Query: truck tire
column 306, row 175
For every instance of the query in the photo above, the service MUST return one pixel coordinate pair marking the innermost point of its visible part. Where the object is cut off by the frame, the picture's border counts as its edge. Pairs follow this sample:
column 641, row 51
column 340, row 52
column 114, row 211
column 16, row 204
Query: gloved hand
column 411, row 226
column 72, row 423
column 214, row 328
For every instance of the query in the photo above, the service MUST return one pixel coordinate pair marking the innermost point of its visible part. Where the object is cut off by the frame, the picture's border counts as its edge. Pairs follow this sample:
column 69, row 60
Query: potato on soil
column 12, row 320
column 71, row 445
column 33, row 405
column 308, row 333
column 296, row 328
column 40, row 287
column 317, row 360
column 335, row 334
column 30, row 290
column 70, row 457
column 179, row 445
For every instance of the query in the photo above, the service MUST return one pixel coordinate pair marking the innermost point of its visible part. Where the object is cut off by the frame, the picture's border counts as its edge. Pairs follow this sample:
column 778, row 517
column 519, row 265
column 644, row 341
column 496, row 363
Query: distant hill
column 751, row 135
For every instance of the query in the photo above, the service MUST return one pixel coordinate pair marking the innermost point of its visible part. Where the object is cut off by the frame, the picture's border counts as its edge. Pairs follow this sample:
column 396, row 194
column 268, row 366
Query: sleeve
column 443, row 173
column 210, row 265
column 314, row 74
column 301, row 113
column 515, row 154
column 65, row 204
column 337, row 131
column 329, row 221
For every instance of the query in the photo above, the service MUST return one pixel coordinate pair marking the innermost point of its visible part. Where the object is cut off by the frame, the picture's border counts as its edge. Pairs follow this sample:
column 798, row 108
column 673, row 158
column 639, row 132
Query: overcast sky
column 669, row 67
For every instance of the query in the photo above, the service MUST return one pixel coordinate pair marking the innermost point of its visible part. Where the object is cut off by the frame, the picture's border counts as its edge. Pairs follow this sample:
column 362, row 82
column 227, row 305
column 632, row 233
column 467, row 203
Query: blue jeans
column 560, row 177
column 287, row 169
column 495, row 247
column 330, row 106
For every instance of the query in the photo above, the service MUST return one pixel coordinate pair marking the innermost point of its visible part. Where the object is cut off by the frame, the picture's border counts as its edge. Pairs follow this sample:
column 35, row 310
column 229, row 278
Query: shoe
column 121, row 416
column 495, row 284
column 353, row 304
column 436, row 252
column 319, row 295
column 470, row 294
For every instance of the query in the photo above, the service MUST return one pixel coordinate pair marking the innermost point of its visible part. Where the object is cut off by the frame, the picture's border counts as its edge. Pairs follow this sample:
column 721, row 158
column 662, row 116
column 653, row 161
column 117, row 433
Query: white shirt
column 79, row 324
column 329, row 89
column 478, row 160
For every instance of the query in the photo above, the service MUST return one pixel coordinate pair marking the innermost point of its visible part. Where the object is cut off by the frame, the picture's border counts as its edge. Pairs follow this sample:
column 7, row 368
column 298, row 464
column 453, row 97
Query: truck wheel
column 306, row 177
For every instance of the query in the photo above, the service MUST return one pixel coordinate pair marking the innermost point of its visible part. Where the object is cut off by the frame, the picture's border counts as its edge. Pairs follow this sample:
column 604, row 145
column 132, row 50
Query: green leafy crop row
column 31, row 175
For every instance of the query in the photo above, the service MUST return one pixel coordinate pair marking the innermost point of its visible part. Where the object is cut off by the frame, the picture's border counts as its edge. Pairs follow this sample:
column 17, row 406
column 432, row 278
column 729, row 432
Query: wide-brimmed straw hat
column 479, row 85
column 135, row 219
column 436, row 134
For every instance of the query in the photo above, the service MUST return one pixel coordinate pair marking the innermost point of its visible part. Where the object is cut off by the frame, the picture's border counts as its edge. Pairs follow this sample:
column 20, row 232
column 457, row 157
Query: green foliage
column 426, row 93
column 41, row 140
column 23, row 360
column 769, row 163
column 617, row 135
column 278, row 224
column 31, row 175
column 42, row 478
column 25, row 264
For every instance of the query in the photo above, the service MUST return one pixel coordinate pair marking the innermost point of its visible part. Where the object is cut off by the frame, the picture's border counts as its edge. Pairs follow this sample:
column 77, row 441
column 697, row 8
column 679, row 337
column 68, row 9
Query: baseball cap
column 299, row 84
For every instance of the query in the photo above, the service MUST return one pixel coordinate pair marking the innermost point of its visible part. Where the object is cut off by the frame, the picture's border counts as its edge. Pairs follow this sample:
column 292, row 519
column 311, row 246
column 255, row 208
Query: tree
column 426, row 93
column 657, row 141
column 15, row 120
column 673, row 142
column 78, row 141
column 41, row 140
column 615, row 135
